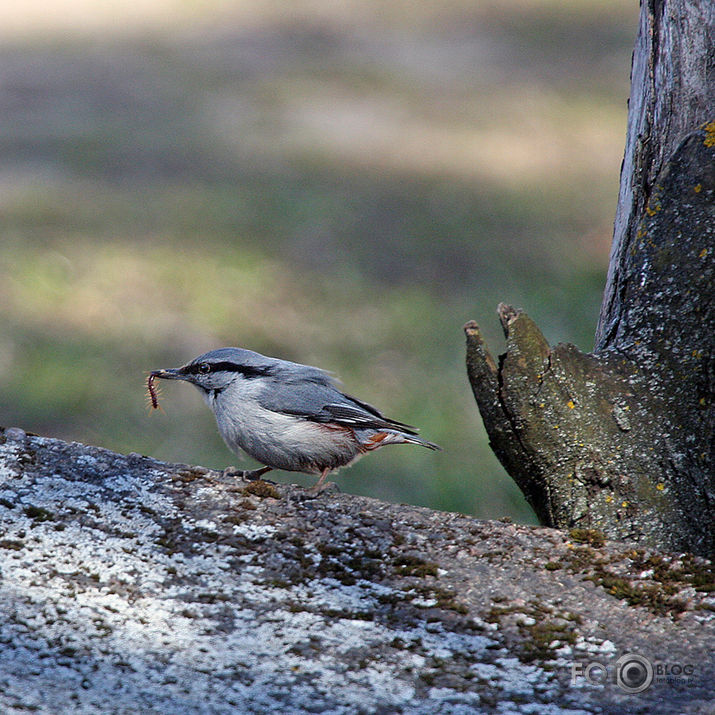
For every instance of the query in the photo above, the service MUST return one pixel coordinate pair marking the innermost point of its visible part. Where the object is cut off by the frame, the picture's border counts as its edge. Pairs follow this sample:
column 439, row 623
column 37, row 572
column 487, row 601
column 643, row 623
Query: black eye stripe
column 199, row 368
column 245, row 370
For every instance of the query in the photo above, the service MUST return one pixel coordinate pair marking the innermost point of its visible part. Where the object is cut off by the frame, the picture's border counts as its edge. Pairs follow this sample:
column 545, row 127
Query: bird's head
column 216, row 370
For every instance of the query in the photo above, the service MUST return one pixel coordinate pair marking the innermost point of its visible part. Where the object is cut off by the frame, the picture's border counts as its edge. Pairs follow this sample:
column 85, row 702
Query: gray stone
column 130, row 585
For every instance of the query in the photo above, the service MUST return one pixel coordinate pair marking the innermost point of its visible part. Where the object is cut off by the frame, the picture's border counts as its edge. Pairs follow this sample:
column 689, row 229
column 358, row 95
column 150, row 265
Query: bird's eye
column 204, row 368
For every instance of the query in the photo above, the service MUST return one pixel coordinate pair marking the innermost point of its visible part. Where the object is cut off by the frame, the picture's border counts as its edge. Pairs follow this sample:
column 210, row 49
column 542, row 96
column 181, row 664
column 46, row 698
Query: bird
column 286, row 415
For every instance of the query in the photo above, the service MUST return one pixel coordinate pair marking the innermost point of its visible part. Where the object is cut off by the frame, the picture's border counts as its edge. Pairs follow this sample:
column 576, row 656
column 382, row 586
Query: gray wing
column 322, row 402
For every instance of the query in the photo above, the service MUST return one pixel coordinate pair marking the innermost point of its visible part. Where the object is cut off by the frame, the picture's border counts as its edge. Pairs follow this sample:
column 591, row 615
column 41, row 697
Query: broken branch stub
column 568, row 426
column 621, row 439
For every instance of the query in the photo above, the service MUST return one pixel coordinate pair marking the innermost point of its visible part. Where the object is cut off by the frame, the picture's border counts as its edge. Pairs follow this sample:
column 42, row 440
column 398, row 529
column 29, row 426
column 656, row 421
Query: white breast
column 279, row 440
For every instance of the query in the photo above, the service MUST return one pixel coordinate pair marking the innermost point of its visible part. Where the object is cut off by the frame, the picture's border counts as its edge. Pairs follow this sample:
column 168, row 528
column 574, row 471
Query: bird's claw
column 318, row 489
column 248, row 475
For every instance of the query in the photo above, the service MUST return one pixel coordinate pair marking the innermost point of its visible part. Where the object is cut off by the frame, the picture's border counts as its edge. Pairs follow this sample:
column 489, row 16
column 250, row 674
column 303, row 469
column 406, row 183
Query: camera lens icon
column 634, row 673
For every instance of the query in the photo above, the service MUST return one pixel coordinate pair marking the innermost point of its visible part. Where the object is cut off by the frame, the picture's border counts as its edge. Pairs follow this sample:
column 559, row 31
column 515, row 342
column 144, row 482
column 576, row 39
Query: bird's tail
column 413, row 439
column 385, row 437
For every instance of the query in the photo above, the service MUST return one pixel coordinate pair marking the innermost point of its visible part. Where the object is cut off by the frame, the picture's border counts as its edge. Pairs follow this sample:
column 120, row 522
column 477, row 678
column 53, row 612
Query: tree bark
column 621, row 439
column 672, row 93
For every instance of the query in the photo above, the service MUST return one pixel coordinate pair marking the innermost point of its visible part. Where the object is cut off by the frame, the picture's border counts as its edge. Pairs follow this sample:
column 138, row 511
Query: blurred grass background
column 340, row 184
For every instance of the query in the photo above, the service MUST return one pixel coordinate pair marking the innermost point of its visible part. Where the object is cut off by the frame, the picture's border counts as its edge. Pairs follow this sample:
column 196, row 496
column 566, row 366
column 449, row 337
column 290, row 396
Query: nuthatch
column 286, row 415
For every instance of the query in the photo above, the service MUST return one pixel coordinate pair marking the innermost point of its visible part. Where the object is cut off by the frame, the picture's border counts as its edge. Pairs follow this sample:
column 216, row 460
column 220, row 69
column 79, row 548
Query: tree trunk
column 621, row 439
column 672, row 93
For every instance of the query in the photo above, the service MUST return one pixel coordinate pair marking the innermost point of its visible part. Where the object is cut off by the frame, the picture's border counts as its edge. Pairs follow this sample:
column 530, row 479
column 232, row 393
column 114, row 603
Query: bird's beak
column 170, row 373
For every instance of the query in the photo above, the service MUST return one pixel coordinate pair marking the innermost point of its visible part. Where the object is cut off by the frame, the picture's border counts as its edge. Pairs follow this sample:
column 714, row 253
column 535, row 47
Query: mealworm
column 153, row 395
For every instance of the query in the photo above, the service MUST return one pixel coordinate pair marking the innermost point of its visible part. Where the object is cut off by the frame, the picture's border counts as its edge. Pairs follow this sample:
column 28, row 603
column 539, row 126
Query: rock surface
column 130, row 585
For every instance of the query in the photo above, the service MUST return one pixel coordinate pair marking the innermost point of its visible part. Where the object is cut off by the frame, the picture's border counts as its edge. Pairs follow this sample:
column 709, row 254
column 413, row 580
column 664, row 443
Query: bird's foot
column 248, row 475
column 324, row 488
